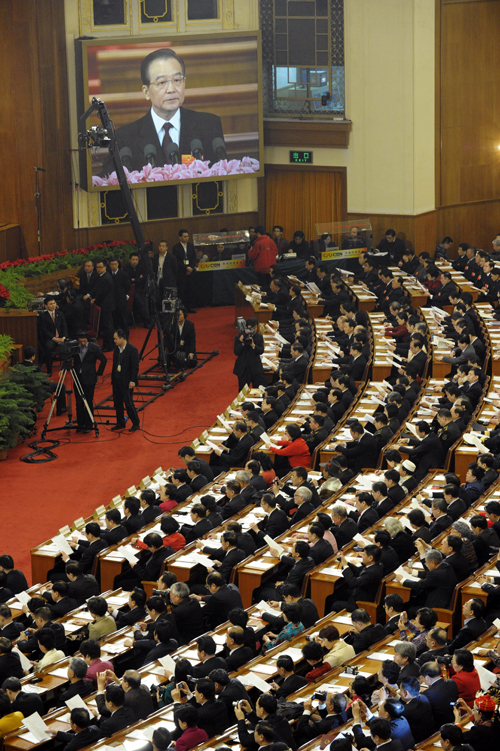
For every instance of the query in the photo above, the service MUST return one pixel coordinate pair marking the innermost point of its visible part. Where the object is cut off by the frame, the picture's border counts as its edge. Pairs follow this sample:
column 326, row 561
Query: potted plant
column 16, row 414
column 6, row 347
column 34, row 382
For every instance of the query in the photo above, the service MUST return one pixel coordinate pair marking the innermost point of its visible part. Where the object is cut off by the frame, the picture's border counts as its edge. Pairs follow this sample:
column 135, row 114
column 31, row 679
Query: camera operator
column 85, row 367
column 248, row 347
column 184, row 339
column 52, row 330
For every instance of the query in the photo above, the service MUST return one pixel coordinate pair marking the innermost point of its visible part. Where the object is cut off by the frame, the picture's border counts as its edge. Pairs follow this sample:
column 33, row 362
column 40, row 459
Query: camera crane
column 105, row 137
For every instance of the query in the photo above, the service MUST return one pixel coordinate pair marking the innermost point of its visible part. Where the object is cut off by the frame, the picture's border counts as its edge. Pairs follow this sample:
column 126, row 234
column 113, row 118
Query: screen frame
column 83, row 102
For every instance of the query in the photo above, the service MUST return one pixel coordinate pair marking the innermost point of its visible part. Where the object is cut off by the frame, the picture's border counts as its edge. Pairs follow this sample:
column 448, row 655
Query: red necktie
column 55, row 324
column 166, row 141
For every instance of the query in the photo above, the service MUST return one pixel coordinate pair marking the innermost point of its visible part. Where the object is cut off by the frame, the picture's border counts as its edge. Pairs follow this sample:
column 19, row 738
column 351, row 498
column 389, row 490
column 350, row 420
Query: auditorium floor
column 37, row 500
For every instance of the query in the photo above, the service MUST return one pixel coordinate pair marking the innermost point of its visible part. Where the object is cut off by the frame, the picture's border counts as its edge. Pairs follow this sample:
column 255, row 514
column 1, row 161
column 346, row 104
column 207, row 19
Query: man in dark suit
column 52, row 330
column 85, row 367
column 186, row 613
column 184, row 340
column 103, row 296
column 186, row 265
column 248, row 366
column 427, row 451
column 299, row 362
column 83, row 732
column 361, row 582
column 474, row 624
column 221, row 600
column 441, row 694
column 229, row 690
column 137, row 697
column 148, row 566
column 200, row 524
column 163, row 75
column 344, row 527
column 233, row 453
column 124, row 379
column 121, row 287
column 207, row 648
column 120, row 716
column 362, row 451
column 274, row 523
column 365, row 633
column 165, row 269
column 435, row 589
column 227, row 556
column 235, row 653
column 418, row 711
column 87, row 549
column 449, row 432
column 78, row 686
column 87, row 277
column 138, row 275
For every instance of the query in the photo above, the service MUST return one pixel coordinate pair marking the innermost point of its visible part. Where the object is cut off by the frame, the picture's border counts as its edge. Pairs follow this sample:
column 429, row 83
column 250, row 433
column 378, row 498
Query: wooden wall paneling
column 34, row 129
column 166, row 229
column 404, row 226
column 475, row 223
column 20, row 325
column 425, row 237
column 10, row 242
column 469, row 101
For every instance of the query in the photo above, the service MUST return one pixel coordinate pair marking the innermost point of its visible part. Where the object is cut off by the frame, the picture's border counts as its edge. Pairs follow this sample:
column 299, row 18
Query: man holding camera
column 85, row 367
column 248, row 347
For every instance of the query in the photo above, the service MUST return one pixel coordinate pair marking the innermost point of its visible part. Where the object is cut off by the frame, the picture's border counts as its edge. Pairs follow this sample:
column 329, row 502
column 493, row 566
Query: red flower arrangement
column 4, row 293
column 59, row 254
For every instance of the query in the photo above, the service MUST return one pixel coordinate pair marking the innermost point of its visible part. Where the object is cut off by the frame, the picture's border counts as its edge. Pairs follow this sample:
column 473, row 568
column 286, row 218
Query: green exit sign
column 301, row 157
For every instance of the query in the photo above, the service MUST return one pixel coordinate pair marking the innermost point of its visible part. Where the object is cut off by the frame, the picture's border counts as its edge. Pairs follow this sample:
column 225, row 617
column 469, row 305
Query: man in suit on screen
column 163, row 75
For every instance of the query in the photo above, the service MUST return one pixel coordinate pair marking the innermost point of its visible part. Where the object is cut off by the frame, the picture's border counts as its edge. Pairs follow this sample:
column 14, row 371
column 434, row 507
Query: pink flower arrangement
column 192, row 171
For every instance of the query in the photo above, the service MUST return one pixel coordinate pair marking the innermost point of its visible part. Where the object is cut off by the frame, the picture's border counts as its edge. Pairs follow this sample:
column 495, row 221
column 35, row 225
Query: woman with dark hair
column 297, row 303
column 183, row 669
column 294, row 451
column 293, row 627
column 266, row 466
column 169, row 498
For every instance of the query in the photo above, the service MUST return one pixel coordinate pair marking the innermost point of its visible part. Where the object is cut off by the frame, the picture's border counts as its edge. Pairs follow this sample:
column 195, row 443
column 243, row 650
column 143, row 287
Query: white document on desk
column 37, row 727
column 62, row 544
column 23, row 598
column 252, row 679
column 127, row 553
column 76, row 702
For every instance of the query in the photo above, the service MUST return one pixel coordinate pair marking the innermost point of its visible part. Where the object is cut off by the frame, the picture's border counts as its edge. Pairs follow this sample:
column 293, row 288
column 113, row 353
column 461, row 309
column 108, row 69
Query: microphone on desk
column 219, row 149
column 126, row 157
column 197, row 149
column 173, row 153
column 150, row 154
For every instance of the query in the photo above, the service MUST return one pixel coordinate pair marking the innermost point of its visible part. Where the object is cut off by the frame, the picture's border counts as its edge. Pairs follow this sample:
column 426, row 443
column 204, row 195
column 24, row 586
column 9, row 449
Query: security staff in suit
column 124, row 379
column 52, row 330
column 103, row 296
column 85, row 367
column 163, row 76
column 248, row 349
column 184, row 340
column 87, row 277
column 121, row 287
column 138, row 276
column 186, row 264
column 165, row 269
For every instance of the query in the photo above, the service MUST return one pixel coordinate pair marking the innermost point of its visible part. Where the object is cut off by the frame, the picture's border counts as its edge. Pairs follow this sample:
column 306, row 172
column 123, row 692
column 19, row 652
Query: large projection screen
column 210, row 108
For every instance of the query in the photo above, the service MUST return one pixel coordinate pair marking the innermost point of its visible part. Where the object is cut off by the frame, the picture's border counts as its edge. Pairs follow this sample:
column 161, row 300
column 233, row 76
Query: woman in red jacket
column 295, row 451
column 465, row 675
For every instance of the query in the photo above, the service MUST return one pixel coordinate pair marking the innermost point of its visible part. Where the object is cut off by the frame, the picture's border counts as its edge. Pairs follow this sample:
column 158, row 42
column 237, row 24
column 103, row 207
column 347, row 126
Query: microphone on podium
column 219, row 148
column 173, row 153
column 197, row 149
column 150, row 154
column 126, row 157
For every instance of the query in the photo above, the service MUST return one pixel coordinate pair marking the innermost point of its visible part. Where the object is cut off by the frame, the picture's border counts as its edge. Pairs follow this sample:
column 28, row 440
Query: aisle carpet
column 37, row 500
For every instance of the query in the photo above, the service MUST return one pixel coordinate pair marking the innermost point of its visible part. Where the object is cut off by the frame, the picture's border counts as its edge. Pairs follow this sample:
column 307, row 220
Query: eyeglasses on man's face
column 162, row 83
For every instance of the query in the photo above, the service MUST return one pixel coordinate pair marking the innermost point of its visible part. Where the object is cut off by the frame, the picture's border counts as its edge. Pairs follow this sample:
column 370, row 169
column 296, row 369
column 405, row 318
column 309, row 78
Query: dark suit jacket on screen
column 142, row 132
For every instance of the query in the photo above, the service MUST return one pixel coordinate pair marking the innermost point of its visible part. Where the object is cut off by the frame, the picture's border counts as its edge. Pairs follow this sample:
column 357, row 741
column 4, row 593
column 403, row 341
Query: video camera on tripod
column 66, row 351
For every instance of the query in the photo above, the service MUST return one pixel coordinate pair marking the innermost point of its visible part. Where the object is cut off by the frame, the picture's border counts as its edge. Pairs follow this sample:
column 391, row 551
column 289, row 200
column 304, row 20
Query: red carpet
column 39, row 499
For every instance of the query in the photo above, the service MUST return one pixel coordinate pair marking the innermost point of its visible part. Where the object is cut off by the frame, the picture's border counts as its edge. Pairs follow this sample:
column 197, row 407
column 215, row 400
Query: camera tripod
column 67, row 367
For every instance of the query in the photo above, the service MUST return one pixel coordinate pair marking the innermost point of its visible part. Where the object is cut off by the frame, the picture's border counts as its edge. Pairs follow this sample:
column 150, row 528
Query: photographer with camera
column 248, row 347
column 84, row 363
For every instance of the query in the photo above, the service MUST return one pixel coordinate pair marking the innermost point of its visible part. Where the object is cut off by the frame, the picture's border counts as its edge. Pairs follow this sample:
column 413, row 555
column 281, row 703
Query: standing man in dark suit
column 186, row 265
column 124, row 379
column 163, row 76
column 121, row 287
column 165, row 269
column 87, row 277
column 138, row 276
column 103, row 296
column 248, row 349
column 84, row 365
column 52, row 330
